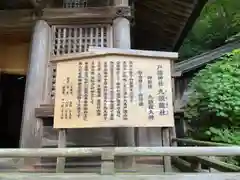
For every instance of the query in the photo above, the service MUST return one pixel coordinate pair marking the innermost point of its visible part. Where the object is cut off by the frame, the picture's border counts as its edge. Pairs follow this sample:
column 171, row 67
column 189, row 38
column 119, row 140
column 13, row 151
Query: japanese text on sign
column 113, row 92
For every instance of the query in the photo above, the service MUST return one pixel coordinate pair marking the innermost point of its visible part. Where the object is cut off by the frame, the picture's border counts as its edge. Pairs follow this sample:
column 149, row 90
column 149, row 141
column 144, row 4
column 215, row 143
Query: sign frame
column 141, row 60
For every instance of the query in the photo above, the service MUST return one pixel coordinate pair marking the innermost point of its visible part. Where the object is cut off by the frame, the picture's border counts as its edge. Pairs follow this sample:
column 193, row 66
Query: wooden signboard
column 113, row 90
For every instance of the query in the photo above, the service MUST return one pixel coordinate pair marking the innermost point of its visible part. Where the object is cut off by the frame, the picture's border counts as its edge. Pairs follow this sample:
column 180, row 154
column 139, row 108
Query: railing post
column 107, row 165
column 166, row 142
column 196, row 166
column 61, row 144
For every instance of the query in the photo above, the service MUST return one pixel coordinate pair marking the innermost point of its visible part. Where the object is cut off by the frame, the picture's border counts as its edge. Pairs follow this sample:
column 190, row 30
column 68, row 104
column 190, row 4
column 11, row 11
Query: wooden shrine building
column 32, row 32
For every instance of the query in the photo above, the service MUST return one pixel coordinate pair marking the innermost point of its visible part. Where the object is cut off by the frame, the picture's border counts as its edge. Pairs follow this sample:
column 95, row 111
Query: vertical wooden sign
column 113, row 90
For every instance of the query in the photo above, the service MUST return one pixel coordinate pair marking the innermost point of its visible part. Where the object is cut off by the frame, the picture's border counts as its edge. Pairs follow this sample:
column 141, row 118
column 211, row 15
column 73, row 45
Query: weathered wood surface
column 133, row 52
column 195, row 176
column 97, row 137
column 34, row 92
column 183, row 165
column 61, row 144
column 122, row 151
column 107, row 166
column 61, row 15
column 45, row 111
column 204, row 58
column 166, row 143
column 200, row 143
column 26, row 18
column 217, row 164
column 122, row 40
column 212, row 163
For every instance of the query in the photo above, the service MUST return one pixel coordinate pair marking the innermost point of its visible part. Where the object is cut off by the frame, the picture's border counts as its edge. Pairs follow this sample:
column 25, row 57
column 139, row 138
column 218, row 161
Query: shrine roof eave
column 160, row 25
column 164, row 24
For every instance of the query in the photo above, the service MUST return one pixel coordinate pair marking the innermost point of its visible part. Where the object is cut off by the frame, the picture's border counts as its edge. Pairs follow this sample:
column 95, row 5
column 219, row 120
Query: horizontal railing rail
column 122, row 151
column 107, row 166
column 199, row 143
column 215, row 163
column 70, row 176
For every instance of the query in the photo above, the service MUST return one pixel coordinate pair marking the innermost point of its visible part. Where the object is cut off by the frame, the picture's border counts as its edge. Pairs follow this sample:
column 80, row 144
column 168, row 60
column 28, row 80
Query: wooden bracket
column 123, row 11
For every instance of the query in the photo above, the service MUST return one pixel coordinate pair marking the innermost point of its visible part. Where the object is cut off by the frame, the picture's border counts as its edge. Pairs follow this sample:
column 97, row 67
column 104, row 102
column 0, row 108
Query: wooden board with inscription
column 113, row 90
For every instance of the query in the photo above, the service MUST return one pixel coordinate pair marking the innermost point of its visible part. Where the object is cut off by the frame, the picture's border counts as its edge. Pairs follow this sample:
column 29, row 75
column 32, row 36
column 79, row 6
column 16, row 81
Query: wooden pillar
column 31, row 132
column 122, row 39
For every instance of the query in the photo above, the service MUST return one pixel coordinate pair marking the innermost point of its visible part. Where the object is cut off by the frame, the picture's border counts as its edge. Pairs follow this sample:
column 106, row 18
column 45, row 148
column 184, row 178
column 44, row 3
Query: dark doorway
column 11, row 103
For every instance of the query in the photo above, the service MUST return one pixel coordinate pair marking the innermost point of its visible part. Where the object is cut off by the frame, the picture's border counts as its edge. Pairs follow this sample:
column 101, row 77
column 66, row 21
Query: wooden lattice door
column 77, row 39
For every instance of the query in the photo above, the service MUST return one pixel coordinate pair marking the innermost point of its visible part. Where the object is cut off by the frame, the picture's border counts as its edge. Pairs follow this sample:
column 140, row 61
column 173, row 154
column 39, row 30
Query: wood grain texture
column 34, row 92
column 62, row 133
column 194, row 176
column 122, row 151
column 14, row 56
column 122, row 40
column 159, row 26
column 200, row 143
column 26, row 18
column 217, row 164
column 202, row 59
column 183, row 166
column 166, row 143
column 31, row 129
column 107, row 165
column 45, row 111
column 96, row 137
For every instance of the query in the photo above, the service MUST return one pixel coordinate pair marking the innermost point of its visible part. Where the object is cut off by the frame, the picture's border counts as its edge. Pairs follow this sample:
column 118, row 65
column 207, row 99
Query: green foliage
column 214, row 106
column 226, row 135
column 219, row 20
column 213, row 109
column 214, row 101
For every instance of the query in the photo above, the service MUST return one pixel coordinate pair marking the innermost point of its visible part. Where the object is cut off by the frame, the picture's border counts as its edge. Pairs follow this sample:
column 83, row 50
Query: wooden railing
column 195, row 163
column 199, row 143
column 108, row 155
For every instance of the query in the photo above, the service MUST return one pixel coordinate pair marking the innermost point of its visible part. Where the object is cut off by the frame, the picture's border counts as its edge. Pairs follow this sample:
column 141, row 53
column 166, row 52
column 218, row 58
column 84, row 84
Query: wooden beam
column 206, row 57
column 120, row 151
column 46, row 111
column 77, row 176
column 185, row 23
column 189, row 23
column 18, row 19
column 31, row 130
column 217, row 164
column 200, row 143
column 95, row 14
column 26, row 18
column 182, row 165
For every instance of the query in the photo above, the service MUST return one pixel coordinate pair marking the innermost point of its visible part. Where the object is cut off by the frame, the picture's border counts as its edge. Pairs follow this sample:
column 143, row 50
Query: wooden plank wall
column 14, row 53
